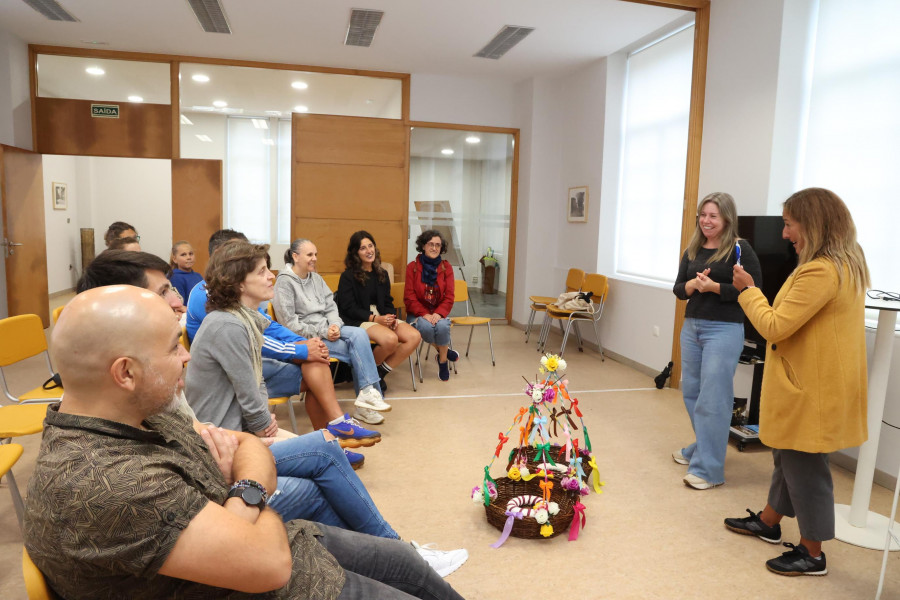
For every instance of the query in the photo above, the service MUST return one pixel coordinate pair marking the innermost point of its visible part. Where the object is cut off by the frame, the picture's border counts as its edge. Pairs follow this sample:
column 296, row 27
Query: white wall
column 62, row 226
column 466, row 101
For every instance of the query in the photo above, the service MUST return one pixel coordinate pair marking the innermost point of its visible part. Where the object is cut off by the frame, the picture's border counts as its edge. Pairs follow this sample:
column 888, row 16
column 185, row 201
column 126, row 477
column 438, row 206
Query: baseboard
column 61, row 293
column 883, row 479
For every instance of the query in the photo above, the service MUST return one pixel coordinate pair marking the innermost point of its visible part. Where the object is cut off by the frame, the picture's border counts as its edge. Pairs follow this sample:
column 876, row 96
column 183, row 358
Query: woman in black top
column 364, row 300
column 712, row 336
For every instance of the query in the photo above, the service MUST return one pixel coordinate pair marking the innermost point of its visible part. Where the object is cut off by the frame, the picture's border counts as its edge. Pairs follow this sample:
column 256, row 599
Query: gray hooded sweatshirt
column 305, row 307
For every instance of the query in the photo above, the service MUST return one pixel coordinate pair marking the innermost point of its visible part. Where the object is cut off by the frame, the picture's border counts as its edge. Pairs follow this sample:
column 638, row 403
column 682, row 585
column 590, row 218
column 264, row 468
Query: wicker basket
column 531, row 452
column 528, row 528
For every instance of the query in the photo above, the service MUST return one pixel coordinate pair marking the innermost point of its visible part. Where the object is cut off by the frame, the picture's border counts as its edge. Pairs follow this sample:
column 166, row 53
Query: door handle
column 8, row 247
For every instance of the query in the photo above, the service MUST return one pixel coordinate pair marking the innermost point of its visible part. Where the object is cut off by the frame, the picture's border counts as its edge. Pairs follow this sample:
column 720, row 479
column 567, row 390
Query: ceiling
column 414, row 37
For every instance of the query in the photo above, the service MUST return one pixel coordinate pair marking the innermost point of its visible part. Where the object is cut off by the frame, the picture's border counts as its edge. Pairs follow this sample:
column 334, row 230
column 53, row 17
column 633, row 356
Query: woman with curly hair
column 120, row 229
column 429, row 296
column 364, row 300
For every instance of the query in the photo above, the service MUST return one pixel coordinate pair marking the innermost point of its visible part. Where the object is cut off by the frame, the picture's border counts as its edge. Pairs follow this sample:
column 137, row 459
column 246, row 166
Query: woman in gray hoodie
column 304, row 304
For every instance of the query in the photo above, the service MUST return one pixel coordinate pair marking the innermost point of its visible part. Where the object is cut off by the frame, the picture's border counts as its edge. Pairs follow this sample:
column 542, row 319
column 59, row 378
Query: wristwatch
column 251, row 492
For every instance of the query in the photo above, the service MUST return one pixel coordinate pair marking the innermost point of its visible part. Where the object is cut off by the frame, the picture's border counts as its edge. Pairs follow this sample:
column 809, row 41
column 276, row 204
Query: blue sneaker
column 355, row 459
column 351, row 434
column 452, row 355
column 443, row 369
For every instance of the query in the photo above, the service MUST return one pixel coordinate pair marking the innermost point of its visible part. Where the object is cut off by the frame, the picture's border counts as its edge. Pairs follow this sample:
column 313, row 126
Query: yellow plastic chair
column 35, row 583
column 184, row 339
column 22, row 337
column 21, row 419
column 332, row 280
column 397, row 294
column 56, row 312
column 9, row 454
column 574, row 281
column 461, row 294
column 599, row 286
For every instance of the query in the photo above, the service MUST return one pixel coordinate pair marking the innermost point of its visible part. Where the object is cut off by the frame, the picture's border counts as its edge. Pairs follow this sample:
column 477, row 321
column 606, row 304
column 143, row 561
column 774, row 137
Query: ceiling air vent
column 51, row 9
column 363, row 23
column 211, row 15
column 508, row 37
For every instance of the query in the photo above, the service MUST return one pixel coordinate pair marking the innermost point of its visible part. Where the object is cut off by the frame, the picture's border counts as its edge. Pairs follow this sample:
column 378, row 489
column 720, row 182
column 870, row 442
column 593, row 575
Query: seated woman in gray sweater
column 304, row 304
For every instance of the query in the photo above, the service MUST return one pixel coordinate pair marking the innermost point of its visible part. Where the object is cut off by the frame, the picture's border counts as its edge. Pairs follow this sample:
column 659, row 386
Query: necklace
column 307, row 280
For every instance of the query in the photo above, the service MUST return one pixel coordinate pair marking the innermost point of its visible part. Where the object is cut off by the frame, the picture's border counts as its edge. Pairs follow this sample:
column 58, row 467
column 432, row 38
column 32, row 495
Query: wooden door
column 196, row 204
column 22, row 199
column 347, row 174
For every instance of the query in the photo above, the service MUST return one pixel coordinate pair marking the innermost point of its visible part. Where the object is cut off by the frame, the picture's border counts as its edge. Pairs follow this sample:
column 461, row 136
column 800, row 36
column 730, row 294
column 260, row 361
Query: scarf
column 429, row 268
column 254, row 323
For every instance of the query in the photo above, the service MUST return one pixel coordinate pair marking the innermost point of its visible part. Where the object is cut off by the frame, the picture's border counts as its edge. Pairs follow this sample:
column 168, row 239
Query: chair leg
column 419, row 361
column 530, row 322
column 16, row 498
column 491, row 342
column 412, row 374
column 291, row 414
column 578, row 336
column 545, row 331
column 562, row 349
column 469, row 345
column 599, row 344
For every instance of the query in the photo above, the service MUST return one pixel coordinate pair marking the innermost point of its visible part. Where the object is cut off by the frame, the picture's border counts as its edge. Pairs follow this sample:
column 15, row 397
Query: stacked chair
column 574, row 281
column 598, row 285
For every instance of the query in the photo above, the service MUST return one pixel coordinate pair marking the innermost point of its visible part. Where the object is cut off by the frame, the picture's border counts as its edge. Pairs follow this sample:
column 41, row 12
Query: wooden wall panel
column 65, row 126
column 331, row 236
column 196, row 204
column 362, row 191
column 350, row 140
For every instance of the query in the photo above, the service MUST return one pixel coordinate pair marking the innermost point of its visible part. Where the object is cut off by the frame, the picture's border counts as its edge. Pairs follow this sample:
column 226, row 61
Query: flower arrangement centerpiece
column 540, row 496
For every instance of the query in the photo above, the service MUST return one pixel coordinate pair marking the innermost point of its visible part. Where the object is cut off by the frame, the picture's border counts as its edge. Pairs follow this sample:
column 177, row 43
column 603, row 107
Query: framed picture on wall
column 577, row 204
column 60, row 196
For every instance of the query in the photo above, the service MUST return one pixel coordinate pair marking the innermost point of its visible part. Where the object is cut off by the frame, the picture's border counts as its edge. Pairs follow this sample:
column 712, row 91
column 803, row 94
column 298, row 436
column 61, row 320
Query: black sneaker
column 753, row 525
column 382, row 372
column 797, row 561
column 383, row 386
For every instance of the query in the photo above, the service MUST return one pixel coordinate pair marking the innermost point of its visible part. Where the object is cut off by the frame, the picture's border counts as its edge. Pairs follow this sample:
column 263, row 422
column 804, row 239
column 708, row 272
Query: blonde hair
column 175, row 249
column 729, row 236
column 828, row 232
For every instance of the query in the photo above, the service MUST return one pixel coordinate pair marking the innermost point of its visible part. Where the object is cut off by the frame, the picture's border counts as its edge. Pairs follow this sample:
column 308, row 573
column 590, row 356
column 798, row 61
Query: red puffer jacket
column 414, row 291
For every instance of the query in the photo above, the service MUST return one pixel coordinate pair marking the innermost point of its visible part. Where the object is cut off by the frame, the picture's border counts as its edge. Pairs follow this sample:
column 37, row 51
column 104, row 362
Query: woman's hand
column 316, row 349
column 271, row 430
column 433, row 318
column 388, row 321
column 334, row 332
column 693, row 285
column 705, row 284
column 742, row 278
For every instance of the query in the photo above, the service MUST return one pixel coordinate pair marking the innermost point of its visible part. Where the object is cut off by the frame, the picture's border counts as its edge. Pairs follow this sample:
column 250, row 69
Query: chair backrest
column 9, row 454
column 56, row 312
column 397, row 290
column 35, row 584
column 332, row 280
column 390, row 271
column 598, row 284
column 574, row 280
column 21, row 337
column 270, row 310
column 184, row 339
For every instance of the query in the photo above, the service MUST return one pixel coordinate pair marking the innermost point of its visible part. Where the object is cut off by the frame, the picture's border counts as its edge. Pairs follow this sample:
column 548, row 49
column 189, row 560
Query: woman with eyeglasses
column 429, row 295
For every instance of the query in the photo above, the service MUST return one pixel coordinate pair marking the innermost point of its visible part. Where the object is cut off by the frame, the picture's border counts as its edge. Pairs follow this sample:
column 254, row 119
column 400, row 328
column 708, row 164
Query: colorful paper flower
column 541, row 516
column 547, row 530
column 514, row 474
column 553, row 508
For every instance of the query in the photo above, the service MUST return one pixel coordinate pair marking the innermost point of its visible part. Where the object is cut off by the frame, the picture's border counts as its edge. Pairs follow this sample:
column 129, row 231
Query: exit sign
column 105, row 111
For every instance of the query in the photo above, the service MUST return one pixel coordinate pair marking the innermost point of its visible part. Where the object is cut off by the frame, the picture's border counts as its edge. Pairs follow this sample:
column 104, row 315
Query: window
column 853, row 131
column 654, row 154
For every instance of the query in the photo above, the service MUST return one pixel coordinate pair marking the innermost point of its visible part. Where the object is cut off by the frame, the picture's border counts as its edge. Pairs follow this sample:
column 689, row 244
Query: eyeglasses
column 433, row 245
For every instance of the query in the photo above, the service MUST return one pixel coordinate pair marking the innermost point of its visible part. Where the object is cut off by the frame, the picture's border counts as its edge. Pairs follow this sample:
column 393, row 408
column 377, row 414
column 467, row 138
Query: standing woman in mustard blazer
column 814, row 383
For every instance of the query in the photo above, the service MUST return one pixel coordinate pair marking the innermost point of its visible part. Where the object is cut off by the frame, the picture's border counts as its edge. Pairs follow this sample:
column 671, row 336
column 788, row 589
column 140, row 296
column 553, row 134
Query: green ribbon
column 544, row 450
column 484, row 487
column 587, row 439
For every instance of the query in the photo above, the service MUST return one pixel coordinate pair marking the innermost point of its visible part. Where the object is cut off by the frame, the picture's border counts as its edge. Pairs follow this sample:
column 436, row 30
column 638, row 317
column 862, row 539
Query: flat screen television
column 777, row 258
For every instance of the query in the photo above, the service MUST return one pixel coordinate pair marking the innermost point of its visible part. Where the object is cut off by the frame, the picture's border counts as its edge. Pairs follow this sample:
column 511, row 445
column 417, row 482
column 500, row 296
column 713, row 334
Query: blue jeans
column 438, row 334
column 709, row 356
column 316, row 483
column 384, row 569
column 353, row 347
column 282, row 379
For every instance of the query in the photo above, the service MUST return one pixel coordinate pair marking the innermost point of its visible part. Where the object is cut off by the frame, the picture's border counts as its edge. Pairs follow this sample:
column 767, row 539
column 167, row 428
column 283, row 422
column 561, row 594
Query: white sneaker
column 443, row 562
column 371, row 398
column 678, row 457
column 698, row 483
column 368, row 416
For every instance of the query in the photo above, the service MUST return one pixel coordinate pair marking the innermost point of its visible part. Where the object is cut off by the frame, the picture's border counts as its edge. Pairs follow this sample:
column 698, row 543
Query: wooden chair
column 599, row 286
column 9, row 455
column 35, row 583
column 461, row 294
column 574, row 281
column 22, row 337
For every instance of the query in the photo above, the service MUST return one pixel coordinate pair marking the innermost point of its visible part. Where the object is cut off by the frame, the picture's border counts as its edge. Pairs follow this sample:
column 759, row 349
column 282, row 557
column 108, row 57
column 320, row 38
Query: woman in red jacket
column 428, row 296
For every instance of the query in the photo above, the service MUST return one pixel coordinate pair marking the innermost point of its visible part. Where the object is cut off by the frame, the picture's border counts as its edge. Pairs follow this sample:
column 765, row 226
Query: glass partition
column 460, row 183
column 81, row 78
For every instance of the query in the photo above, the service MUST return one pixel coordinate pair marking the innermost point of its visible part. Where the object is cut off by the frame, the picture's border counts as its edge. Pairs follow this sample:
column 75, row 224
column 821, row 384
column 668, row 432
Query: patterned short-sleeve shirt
column 107, row 502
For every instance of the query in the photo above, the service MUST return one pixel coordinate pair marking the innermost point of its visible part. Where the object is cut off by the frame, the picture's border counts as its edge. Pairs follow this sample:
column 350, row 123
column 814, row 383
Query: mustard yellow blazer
column 814, row 381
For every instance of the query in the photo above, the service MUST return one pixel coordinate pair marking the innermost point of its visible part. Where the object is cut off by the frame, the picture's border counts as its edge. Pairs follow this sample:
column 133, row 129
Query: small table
column 856, row 524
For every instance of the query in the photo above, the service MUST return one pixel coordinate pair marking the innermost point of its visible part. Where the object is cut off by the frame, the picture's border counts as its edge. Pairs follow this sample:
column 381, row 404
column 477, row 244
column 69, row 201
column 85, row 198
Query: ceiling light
column 299, row 85
column 260, row 123
column 301, row 108
column 95, row 71
column 186, row 121
column 202, row 108
column 200, row 78
column 274, row 113
column 447, row 151
column 268, row 142
column 135, row 99
column 220, row 103
column 204, row 138
column 473, row 139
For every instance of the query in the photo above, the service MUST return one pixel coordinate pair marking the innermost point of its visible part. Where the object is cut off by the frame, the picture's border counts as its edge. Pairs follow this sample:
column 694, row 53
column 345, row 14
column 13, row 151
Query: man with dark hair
column 128, row 500
column 222, row 236
column 140, row 269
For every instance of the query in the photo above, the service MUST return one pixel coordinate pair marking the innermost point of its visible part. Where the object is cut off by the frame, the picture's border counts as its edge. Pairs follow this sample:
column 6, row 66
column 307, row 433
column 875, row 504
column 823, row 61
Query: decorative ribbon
column 578, row 470
column 587, row 439
column 553, row 415
column 564, row 451
column 544, row 450
column 511, row 516
column 595, row 475
column 503, row 439
column 575, row 407
column 546, row 486
column 577, row 523
column 484, row 487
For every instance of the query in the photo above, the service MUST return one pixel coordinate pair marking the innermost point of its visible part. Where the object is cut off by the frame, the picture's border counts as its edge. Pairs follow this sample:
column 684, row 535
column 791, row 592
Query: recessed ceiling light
column 186, row 121
column 220, row 103
column 202, row 108
column 95, row 71
column 200, row 78
column 301, row 108
column 299, row 85
column 447, row 151
column 135, row 99
column 473, row 139
column 260, row 123
column 204, row 138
